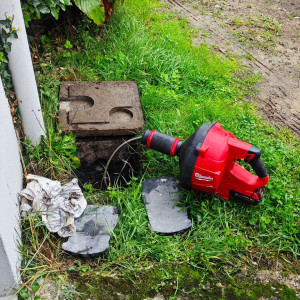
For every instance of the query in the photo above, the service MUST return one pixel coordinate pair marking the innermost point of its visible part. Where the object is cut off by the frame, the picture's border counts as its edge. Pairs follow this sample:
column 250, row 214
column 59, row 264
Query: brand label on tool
column 200, row 177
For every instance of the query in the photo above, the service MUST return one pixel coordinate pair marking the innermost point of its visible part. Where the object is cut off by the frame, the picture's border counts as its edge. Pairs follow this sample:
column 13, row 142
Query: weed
column 257, row 31
column 206, row 34
column 68, row 46
column 79, row 267
column 291, row 16
column 55, row 155
column 236, row 21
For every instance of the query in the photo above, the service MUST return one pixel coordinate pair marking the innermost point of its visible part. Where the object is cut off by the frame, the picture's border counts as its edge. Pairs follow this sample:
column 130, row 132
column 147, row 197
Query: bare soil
column 266, row 35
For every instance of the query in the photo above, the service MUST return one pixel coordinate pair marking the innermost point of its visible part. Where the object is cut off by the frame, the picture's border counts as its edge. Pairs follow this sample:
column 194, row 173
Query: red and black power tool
column 208, row 162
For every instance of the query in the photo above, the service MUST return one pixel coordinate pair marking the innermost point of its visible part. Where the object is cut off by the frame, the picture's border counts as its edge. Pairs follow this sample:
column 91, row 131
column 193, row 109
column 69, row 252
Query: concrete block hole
column 103, row 115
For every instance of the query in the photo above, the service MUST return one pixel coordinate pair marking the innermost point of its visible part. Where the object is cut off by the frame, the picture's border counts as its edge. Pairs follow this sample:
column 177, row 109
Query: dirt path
column 266, row 34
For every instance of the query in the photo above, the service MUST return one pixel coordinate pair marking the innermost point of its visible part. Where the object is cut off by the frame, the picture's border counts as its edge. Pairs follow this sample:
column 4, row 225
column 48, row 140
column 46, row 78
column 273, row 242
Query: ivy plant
column 98, row 10
column 35, row 8
column 8, row 31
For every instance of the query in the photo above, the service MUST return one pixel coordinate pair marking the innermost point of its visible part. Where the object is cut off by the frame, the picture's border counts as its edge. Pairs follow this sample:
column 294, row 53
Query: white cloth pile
column 58, row 204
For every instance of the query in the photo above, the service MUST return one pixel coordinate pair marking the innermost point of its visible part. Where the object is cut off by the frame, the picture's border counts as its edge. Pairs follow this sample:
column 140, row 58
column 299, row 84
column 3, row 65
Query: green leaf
column 36, row 2
column 2, row 57
column 24, row 293
column 92, row 9
column 66, row 2
column 68, row 45
column 5, row 34
column 14, row 34
column 6, row 22
column 7, row 47
column 35, row 286
column 75, row 162
column 54, row 12
column 44, row 9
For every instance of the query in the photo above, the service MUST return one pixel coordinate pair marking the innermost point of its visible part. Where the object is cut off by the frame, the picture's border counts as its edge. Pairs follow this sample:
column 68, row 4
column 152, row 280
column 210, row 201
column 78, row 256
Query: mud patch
column 265, row 34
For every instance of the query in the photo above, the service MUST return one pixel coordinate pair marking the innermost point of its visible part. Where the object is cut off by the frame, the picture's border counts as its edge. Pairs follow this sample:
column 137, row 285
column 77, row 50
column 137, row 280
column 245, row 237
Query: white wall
column 20, row 65
column 11, row 177
column 11, row 174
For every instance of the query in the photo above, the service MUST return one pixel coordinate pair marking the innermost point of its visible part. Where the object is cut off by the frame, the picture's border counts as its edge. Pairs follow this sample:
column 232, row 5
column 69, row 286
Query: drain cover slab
column 102, row 108
column 93, row 230
column 161, row 196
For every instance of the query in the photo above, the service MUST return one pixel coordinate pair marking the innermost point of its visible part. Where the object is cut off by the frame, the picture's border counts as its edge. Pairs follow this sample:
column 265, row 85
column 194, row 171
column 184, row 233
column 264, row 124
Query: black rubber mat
column 161, row 196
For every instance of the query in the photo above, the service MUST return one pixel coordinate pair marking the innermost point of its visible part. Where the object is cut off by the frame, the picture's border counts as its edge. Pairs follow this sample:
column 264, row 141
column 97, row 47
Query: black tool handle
column 161, row 142
column 253, row 158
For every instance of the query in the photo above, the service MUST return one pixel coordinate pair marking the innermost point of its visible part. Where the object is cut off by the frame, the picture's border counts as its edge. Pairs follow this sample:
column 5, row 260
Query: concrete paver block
column 102, row 108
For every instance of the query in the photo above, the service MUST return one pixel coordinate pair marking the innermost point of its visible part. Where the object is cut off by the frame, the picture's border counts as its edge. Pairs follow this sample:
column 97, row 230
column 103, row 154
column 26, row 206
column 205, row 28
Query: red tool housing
column 208, row 162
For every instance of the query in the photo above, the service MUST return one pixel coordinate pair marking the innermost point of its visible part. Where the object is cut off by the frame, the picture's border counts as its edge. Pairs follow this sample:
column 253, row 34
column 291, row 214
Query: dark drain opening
column 94, row 154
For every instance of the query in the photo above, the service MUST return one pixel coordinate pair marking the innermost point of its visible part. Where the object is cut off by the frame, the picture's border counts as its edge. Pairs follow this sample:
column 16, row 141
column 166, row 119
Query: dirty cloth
column 58, row 204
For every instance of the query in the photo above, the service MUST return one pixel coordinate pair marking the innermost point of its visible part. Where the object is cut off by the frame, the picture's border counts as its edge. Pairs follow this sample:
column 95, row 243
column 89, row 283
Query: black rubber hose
column 161, row 142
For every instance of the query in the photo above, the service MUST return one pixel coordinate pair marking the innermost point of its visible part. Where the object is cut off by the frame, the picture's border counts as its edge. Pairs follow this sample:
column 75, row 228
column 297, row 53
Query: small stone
column 49, row 290
column 93, row 230
column 161, row 196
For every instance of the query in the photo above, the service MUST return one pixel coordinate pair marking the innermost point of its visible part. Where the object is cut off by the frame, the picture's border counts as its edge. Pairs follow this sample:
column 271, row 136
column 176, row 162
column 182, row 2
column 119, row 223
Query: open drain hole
column 94, row 154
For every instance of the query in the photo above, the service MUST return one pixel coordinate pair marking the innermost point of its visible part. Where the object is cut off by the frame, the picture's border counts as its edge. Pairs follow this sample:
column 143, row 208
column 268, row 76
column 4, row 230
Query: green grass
column 181, row 87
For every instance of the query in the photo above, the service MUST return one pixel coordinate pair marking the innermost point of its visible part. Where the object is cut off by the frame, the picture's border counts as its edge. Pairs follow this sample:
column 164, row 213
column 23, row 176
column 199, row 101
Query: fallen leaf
column 69, row 77
column 15, row 103
column 54, row 116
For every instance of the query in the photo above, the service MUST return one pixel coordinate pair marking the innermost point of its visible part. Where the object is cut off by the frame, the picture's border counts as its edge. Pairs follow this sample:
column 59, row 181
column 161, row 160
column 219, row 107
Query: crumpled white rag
column 59, row 205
